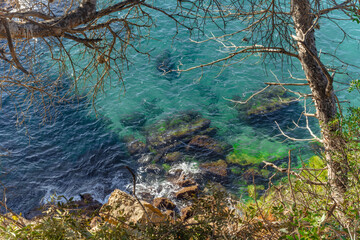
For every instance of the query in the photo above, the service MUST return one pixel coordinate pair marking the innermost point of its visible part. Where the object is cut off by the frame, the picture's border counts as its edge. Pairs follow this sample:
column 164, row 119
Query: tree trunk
column 320, row 83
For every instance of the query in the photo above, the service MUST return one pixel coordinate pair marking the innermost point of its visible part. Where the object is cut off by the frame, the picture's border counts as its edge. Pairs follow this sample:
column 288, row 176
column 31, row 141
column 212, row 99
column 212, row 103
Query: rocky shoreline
column 187, row 138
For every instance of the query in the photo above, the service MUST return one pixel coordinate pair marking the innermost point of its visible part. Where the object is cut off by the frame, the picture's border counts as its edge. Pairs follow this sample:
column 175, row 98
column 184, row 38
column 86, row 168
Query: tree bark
column 320, row 83
column 52, row 27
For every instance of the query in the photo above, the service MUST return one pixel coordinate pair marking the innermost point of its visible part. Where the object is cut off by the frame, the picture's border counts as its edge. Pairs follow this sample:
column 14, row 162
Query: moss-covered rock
column 269, row 101
column 181, row 127
column 135, row 146
column 206, row 145
column 172, row 157
column 216, row 169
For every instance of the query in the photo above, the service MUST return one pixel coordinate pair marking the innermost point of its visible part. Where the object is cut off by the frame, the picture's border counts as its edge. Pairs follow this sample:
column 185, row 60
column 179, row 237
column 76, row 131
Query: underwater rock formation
column 166, row 65
column 267, row 102
column 216, row 169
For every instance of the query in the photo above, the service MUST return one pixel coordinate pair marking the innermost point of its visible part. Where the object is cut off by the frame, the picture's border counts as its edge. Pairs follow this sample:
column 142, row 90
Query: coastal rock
column 187, row 192
column 184, row 181
column 269, row 101
column 163, row 204
column 86, row 205
column 216, row 169
column 166, row 65
column 95, row 222
column 124, row 206
column 153, row 168
column 170, row 214
column 172, row 157
column 146, row 158
column 177, row 129
column 187, row 213
column 136, row 147
column 206, row 145
column 209, row 132
column 135, row 119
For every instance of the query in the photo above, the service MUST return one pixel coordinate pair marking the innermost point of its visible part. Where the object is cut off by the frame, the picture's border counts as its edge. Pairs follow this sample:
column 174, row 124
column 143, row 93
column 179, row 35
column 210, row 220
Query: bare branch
column 286, row 170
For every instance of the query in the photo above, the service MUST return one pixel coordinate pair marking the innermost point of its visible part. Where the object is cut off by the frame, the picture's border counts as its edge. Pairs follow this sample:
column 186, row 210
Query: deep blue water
column 79, row 151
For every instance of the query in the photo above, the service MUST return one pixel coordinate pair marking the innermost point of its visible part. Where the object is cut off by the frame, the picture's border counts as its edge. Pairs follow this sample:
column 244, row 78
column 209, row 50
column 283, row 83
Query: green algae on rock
column 217, row 169
column 250, row 151
column 269, row 101
column 204, row 143
column 181, row 127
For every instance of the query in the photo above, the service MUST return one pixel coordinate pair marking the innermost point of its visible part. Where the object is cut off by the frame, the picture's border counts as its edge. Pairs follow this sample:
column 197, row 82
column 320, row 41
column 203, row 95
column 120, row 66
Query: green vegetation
column 166, row 167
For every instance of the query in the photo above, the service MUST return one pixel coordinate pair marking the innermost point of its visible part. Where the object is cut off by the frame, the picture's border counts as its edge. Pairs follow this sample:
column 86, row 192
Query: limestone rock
column 186, row 213
column 163, row 203
column 124, row 206
column 184, row 181
column 170, row 214
column 187, row 192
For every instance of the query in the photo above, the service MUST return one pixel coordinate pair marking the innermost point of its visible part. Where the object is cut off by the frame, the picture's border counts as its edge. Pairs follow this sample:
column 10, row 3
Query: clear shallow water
column 80, row 153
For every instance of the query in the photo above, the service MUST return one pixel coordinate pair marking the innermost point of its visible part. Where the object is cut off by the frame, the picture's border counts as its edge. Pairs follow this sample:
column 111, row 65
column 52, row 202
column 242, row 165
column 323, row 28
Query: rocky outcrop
column 269, row 101
column 186, row 213
column 163, row 204
column 206, row 145
column 172, row 157
column 135, row 119
column 134, row 146
column 184, row 181
column 124, row 207
column 187, row 192
column 217, row 169
column 181, row 127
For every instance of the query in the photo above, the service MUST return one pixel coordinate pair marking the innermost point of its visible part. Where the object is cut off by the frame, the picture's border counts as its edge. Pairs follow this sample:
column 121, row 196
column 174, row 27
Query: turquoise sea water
column 80, row 152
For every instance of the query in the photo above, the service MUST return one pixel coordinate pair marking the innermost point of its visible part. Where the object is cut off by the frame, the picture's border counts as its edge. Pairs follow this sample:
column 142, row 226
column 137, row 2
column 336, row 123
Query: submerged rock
column 135, row 119
column 269, row 101
column 166, row 65
column 180, row 128
column 155, row 169
column 207, row 145
column 122, row 206
column 217, row 169
column 135, row 146
column 151, row 107
column 172, row 157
